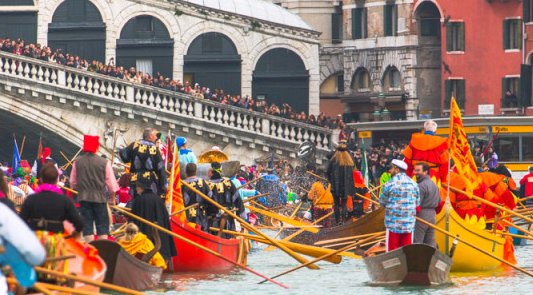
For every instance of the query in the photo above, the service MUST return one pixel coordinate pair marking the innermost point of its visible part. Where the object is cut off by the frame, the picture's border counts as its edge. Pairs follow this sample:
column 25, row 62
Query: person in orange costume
column 430, row 149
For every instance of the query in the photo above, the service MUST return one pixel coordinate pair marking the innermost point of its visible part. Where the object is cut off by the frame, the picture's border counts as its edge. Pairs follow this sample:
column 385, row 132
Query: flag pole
column 447, row 202
column 172, row 180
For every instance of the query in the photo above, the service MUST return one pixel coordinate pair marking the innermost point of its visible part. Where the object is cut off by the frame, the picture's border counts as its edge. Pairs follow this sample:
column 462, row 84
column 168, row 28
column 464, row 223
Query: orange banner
column 460, row 149
column 174, row 194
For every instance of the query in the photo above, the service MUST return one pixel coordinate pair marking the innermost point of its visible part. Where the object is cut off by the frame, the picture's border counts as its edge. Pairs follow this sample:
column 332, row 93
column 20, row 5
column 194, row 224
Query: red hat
column 91, row 143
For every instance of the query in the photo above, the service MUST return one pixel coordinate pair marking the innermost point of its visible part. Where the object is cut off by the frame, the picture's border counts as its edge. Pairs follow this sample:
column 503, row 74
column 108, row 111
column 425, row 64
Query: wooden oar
column 249, row 182
column 515, row 236
column 67, row 290
column 175, row 235
column 87, row 281
column 72, row 161
column 42, row 289
column 344, row 249
column 325, row 242
column 269, row 248
column 282, row 218
column 489, row 203
column 525, row 199
column 518, row 228
column 464, row 241
column 255, row 197
column 59, row 258
column 68, row 189
column 317, row 176
column 184, row 209
column 300, row 248
column 65, row 157
column 302, row 230
column 248, row 226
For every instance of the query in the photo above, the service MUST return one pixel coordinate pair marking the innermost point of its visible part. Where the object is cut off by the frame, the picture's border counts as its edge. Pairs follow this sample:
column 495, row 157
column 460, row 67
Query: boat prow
column 126, row 270
column 417, row 264
column 465, row 258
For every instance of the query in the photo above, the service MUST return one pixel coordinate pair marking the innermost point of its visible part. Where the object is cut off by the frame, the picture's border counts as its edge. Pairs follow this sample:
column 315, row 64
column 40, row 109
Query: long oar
column 525, row 199
column 302, row 230
column 489, row 203
column 72, row 161
column 464, row 241
column 255, row 197
column 67, row 290
column 184, row 209
column 247, row 225
column 269, row 248
column 300, row 248
column 173, row 234
column 325, row 242
column 347, row 248
column 87, row 281
column 282, row 218
column 518, row 227
column 249, row 182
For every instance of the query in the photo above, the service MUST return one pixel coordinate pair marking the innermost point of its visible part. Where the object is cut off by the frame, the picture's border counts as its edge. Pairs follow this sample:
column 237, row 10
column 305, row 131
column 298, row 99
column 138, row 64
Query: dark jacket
column 341, row 179
column 47, row 211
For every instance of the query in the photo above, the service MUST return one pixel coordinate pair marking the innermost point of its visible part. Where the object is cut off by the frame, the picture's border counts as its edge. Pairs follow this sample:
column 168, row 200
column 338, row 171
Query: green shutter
column 387, row 17
column 395, row 28
column 356, row 24
column 527, row 10
column 449, row 37
column 506, row 37
column 461, row 99
column 518, row 33
column 335, row 27
column 461, row 37
column 365, row 22
column 448, row 94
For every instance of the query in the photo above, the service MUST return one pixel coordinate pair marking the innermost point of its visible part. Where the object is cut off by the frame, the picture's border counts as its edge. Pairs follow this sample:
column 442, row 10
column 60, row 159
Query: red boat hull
column 192, row 259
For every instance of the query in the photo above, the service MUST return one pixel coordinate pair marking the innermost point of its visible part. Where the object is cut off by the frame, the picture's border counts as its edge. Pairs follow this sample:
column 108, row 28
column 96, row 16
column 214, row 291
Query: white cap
column 216, row 148
column 400, row 164
column 430, row 126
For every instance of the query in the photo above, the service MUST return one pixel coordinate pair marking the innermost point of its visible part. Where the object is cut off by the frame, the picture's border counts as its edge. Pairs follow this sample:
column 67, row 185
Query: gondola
column 369, row 223
column 192, row 259
column 417, row 264
column 126, row 270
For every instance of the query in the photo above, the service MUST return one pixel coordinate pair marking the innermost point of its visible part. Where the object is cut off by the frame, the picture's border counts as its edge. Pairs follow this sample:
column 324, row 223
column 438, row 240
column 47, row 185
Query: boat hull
column 417, row 264
column 125, row 270
column 86, row 264
column 465, row 258
column 368, row 223
column 193, row 259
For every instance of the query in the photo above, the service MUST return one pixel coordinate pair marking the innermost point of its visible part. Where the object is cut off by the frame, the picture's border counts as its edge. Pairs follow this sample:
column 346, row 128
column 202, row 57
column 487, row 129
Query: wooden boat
column 467, row 259
column 416, row 264
column 126, row 270
column 192, row 259
column 368, row 223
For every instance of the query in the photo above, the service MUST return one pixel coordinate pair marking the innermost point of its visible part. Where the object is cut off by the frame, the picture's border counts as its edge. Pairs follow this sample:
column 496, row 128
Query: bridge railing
column 163, row 100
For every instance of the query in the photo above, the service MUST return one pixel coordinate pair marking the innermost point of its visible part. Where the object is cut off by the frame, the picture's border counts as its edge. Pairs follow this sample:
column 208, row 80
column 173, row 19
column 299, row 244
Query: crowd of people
column 45, row 53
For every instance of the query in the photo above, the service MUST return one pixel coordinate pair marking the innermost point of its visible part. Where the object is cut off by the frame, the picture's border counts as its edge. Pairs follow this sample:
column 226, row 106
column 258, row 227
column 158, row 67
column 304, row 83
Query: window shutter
column 461, row 37
column 449, row 36
column 448, row 94
column 395, row 21
column 526, row 76
column 506, row 37
column 387, row 16
column 461, row 99
column 527, row 10
column 356, row 24
column 518, row 33
column 335, row 25
column 365, row 23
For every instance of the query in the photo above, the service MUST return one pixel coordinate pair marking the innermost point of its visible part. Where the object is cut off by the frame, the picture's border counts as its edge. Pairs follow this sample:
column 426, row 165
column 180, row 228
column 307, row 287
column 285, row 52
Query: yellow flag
column 460, row 149
column 174, row 194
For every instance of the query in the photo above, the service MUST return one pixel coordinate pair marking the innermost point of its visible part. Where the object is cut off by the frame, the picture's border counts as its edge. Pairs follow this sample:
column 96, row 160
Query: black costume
column 201, row 213
column 151, row 207
column 144, row 156
column 47, row 210
column 226, row 194
column 342, row 186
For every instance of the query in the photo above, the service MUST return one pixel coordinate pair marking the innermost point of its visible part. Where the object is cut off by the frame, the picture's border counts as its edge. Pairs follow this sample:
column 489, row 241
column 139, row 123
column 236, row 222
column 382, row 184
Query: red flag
column 40, row 150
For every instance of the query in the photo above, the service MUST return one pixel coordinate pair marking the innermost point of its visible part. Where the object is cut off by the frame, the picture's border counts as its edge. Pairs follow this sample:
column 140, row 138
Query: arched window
column 361, row 81
column 392, row 80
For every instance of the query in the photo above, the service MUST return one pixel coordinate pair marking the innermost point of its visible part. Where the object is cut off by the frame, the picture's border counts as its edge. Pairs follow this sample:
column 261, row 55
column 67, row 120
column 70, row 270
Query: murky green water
column 349, row 277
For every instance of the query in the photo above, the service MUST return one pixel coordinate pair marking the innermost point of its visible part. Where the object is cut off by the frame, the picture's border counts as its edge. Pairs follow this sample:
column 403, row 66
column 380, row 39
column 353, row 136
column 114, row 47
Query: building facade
column 247, row 47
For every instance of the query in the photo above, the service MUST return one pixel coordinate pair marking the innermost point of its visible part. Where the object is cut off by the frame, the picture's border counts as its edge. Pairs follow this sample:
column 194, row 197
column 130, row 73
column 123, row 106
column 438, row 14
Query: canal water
column 348, row 277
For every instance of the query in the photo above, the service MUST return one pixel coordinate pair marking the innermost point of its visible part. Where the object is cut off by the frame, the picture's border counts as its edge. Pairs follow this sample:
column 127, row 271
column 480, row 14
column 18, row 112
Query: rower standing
column 340, row 176
column 429, row 201
column 201, row 213
column 400, row 197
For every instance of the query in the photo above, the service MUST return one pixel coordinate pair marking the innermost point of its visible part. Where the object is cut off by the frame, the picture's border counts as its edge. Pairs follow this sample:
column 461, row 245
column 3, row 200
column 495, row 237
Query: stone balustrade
column 158, row 100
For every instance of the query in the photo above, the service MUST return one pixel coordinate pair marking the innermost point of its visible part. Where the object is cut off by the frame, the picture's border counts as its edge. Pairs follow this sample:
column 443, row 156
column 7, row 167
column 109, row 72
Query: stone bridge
column 64, row 103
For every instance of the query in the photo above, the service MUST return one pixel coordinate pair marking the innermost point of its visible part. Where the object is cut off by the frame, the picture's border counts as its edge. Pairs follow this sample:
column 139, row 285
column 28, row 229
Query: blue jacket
column 187, row 156
column 400, row 197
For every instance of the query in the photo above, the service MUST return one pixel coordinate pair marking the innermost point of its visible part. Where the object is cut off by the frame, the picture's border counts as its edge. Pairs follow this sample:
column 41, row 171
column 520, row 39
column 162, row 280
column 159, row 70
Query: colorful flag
column 40, row 150
column 364, row 164
column 174, row 194
column 16, row 157
column 460, row 150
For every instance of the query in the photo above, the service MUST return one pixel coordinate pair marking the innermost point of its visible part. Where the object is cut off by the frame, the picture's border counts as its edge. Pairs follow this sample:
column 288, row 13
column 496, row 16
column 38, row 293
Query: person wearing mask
column 429, row 202
column 340, row 175
column 399, row 197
